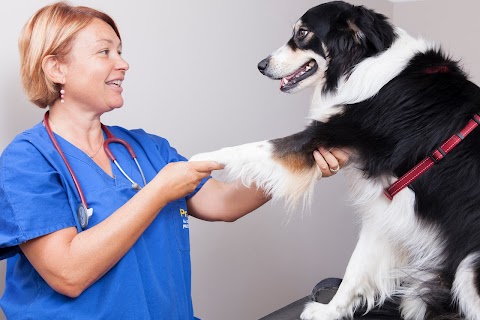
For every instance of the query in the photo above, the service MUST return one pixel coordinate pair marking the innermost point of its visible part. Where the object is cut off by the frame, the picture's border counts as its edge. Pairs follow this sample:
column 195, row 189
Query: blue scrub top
column 38, row 197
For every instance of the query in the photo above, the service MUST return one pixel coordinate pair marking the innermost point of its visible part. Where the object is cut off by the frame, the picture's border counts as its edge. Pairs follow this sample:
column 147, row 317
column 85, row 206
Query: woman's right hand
column 178, row 179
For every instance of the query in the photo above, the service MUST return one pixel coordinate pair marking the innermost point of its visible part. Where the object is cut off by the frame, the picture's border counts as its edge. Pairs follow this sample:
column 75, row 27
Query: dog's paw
column 207, row 156
column 319, row 311
column 235, row 158
column 221, row 156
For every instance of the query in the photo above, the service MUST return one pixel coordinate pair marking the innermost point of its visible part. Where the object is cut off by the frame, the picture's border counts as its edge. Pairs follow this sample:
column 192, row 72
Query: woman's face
column 95, row 69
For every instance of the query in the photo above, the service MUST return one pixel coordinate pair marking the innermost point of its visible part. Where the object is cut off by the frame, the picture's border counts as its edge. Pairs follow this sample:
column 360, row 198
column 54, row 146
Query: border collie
column 395, row 101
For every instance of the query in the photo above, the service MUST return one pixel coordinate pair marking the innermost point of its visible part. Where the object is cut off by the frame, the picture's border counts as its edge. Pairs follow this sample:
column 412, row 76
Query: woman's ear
column 54, row 70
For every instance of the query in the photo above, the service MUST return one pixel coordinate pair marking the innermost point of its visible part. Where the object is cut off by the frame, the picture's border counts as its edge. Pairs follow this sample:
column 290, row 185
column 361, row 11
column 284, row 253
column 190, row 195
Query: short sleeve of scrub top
column 30, row 189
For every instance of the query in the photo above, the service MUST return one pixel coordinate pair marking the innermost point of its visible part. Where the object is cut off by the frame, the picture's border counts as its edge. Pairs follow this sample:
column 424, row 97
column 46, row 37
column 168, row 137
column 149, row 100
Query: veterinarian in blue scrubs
column 131, row 258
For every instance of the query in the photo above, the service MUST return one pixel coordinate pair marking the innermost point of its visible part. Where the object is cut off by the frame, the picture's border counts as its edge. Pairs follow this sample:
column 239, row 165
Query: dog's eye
column 302, row 33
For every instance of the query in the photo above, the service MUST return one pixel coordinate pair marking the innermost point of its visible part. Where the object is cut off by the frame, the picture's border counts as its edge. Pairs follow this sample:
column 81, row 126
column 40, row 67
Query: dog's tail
column 433, row 296
column 440, row 302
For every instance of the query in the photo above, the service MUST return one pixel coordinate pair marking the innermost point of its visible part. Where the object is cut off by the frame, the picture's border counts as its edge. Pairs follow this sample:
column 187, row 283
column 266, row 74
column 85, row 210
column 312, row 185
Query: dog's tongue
column 285, row 80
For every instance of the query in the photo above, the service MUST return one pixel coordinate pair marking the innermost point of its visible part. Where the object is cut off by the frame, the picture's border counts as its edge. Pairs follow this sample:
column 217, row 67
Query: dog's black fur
column 378, row 36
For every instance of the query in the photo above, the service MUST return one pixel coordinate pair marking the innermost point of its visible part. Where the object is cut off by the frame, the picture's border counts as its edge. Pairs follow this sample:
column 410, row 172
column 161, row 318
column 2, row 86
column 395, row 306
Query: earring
column 62, row 95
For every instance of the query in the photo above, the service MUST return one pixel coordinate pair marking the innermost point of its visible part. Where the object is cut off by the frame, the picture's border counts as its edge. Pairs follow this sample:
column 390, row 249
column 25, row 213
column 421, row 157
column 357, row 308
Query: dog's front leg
column 284, row 168
column 368, row 278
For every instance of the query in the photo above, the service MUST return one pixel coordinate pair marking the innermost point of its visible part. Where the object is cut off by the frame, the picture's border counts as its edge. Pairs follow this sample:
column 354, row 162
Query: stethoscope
column 83, row 211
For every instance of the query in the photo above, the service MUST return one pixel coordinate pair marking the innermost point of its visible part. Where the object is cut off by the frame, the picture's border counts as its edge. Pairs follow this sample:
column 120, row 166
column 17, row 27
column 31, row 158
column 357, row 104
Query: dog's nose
column 262, row 65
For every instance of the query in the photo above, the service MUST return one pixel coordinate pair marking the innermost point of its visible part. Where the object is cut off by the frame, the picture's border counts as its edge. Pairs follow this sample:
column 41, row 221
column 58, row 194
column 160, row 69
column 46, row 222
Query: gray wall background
column 193, row 80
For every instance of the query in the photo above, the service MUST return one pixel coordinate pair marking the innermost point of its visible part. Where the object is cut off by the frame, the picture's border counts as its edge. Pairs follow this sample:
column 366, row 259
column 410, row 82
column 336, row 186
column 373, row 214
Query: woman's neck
column 82, row 129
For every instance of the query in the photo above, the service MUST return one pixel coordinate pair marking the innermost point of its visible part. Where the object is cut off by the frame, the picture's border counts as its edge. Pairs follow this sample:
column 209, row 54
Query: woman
column 130, row 259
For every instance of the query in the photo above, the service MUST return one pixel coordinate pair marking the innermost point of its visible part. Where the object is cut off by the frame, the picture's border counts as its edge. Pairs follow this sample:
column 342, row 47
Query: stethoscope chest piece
column 83, row 215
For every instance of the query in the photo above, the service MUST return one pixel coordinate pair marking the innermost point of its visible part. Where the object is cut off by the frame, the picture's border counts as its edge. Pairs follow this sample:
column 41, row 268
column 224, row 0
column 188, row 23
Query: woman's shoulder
column 37, row 131
column 26, row 141
column 148, row 141
column 140, row 135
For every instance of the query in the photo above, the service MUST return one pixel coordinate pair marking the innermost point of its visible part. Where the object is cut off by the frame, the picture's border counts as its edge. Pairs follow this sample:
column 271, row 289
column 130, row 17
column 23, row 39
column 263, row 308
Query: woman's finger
column 322, row 163
column 333, row 164
column 341, row 155
column 206, row 166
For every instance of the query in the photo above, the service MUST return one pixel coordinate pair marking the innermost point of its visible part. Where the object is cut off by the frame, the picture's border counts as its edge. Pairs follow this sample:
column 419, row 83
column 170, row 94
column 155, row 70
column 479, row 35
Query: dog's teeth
column 285, row 81
column 308, row 68
column 311, row 64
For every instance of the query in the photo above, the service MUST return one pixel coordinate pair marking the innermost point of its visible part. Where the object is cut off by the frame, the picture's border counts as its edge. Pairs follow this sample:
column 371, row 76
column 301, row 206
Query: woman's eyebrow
column 110, row 41
column 107, row 40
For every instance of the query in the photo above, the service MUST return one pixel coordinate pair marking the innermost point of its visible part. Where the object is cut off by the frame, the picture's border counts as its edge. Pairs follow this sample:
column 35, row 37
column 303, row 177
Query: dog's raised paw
column 207, row 156
column 220, row 156
column 236, row 157
column 318, row 311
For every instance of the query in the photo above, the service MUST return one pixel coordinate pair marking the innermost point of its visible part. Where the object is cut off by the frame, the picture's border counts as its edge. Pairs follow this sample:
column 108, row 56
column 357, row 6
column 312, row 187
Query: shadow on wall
column 17, row 112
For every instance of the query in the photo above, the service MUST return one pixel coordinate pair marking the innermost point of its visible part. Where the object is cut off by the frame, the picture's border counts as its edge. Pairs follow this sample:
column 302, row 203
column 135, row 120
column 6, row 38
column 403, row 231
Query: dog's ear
column 355, row 34
column 364, row 27
column 378, row 31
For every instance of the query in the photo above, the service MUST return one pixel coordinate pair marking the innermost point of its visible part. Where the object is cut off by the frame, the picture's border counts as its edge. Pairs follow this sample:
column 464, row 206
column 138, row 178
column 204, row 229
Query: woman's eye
column 105, row 52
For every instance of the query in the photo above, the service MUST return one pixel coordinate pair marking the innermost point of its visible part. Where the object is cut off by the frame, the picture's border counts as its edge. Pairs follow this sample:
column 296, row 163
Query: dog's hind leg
column 466, row 287
column 368, row 279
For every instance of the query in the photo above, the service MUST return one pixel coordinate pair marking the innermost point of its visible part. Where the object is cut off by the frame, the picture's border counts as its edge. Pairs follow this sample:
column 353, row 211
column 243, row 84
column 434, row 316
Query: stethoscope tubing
column 83, row 212
column 57, row 147
column 112, row 139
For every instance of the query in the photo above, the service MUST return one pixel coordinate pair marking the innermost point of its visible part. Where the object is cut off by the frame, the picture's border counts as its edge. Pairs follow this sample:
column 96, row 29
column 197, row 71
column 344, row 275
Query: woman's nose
column 122, row 64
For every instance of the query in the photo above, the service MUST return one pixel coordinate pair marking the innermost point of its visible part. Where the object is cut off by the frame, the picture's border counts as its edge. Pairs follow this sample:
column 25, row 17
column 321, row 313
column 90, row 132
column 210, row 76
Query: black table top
column 323, row 293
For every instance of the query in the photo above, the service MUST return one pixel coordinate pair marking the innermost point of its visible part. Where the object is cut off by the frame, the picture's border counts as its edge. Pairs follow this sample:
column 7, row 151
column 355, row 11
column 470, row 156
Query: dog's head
column 327, row 42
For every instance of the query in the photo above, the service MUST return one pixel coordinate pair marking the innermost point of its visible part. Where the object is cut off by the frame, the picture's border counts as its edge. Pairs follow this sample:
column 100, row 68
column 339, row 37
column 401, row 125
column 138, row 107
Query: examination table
column 323, row 293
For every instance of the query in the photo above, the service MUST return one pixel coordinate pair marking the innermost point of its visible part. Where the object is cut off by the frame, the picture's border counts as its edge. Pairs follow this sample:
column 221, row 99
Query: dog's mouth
column 305, row 71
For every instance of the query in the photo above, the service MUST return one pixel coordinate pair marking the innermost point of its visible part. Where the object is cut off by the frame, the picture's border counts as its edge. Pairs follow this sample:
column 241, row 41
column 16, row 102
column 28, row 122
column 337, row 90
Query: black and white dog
column 393, row 100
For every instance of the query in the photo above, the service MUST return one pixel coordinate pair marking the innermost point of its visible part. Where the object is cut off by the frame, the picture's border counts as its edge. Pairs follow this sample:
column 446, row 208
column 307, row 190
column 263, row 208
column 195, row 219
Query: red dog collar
column 434, row 157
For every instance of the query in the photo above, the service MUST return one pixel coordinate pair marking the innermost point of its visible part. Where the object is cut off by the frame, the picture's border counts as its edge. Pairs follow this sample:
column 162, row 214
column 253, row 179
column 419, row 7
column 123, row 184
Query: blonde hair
column 50, row 31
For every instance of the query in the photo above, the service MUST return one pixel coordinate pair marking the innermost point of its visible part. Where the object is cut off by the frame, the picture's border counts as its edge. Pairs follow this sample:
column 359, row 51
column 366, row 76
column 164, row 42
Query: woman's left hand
column 330, row 161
